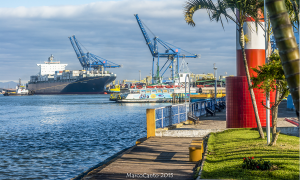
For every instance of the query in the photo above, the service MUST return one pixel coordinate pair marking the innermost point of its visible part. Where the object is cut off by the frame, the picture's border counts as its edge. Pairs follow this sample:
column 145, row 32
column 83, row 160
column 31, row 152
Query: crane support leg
column 173, row 69
column 153, row 71
column 167, row 68
column 177, row 66
column 157, row 73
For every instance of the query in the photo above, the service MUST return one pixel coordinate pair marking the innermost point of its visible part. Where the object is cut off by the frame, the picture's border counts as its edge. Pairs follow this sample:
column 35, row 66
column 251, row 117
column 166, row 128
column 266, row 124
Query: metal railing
column 169, row 115
column 199, row 108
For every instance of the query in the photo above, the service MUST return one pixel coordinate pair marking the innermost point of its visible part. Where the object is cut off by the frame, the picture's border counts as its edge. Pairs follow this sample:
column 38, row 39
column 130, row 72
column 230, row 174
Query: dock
column 166, row 156
column 160, row 158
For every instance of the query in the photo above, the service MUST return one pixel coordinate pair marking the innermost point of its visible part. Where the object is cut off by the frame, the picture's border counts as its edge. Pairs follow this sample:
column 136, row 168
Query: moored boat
column 20, row 91
column 150, row 95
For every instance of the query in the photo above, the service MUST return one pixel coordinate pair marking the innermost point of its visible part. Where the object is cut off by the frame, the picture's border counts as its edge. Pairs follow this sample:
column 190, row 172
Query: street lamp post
column 215, row 74
column 266, row 56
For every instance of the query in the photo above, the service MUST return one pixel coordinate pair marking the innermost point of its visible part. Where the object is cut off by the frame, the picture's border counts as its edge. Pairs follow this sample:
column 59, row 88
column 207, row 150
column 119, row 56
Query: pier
column 163, row 155
column 160, row 158
column 166, row 155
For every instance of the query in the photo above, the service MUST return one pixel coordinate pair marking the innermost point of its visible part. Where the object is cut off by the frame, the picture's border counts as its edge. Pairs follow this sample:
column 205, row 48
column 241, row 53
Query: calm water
column 58, row 137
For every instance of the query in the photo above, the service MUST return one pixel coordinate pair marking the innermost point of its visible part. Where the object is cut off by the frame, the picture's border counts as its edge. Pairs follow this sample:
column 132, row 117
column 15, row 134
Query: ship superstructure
column 50, row 66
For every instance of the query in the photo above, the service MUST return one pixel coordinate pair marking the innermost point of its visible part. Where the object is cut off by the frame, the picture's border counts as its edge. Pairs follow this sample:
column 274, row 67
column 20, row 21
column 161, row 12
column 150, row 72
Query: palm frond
column 296, row 14
column 224, row 10
column 194, row 5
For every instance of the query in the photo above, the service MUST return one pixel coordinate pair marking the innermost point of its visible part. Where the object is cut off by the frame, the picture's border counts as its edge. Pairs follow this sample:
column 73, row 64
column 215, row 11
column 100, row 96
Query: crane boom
column 77, row 53
column 81, row 52
column 144, row 32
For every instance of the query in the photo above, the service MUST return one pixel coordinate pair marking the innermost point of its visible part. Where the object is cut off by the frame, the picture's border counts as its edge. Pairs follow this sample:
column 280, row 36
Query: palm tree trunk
column 242, row 43
column 287, row 45
column 274, row 120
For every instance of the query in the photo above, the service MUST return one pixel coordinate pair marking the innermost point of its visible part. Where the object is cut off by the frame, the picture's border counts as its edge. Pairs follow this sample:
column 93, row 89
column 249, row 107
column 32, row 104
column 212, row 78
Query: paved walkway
column 164, row 158
column 168, row 157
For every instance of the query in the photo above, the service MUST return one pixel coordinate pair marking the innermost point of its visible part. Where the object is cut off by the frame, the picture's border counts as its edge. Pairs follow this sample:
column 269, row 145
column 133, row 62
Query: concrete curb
column 203, row 159
column 293, row 131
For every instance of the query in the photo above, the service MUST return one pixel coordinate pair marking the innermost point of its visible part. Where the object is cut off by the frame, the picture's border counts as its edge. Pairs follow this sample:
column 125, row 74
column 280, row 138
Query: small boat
column 20, row 91
column 116, row 89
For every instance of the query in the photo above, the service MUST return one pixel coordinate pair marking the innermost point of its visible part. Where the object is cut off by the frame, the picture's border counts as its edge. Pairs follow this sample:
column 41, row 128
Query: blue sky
column 30, row 32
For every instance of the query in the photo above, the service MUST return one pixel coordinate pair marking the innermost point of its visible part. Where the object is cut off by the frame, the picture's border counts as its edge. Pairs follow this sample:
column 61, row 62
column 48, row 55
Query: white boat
column 148, row 95
column 20, row 91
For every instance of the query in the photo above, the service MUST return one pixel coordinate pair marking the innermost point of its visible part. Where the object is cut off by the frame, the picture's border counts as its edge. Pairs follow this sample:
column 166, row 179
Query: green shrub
column 251, row 163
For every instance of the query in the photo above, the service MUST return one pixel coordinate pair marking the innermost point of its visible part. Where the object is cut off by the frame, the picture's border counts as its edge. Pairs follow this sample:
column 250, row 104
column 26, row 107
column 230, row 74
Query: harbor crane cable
column 148, row 28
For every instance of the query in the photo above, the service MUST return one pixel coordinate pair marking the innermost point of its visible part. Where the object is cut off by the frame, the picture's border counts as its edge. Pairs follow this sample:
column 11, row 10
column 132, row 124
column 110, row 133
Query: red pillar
column 239, row 109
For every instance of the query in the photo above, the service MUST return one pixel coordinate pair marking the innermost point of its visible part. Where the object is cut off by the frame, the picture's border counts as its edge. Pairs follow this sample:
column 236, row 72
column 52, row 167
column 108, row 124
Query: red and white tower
column 239, row 109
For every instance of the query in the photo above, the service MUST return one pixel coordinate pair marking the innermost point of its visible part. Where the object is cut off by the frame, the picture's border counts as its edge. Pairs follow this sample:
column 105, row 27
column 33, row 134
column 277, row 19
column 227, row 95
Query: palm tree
column 224, row 8
column 286, row 43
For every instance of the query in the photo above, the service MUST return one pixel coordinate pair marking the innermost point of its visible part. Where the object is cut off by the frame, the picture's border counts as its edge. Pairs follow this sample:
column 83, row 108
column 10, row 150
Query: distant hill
column 10, row 84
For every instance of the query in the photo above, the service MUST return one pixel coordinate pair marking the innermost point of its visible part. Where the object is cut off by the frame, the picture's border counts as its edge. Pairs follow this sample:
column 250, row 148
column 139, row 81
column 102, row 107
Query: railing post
column 170, row 115
column 194, row 109
column 186, row 110
column 150, row 113
column 162, row 118
column 202, row 104
column 178, row 115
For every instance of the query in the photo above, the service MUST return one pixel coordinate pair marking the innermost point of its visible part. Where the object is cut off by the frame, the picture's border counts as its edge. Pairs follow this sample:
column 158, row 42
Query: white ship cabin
column 51, row 66
column 182, row 77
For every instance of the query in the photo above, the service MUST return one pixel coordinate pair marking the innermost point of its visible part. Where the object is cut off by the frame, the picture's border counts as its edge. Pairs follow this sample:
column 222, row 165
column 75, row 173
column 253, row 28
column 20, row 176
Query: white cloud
column 109, row 30
column 157, row 9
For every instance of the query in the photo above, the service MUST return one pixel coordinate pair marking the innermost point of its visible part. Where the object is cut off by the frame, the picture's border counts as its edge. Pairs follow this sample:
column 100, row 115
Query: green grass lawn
column 227, row 149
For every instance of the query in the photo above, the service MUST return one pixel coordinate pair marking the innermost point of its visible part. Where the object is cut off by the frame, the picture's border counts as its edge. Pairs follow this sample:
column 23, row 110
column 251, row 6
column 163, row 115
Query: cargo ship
column 54, row 79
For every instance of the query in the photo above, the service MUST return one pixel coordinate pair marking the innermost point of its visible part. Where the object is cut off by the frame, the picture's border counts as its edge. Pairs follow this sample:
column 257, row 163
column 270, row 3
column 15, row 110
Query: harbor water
column 61, row 136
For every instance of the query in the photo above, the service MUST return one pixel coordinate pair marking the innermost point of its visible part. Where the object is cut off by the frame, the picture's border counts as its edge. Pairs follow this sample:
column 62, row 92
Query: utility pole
column 266, row 53
column 140, row 75
column 215, row 74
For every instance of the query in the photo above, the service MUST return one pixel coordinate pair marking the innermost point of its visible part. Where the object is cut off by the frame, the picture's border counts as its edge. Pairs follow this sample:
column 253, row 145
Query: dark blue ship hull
column 89, row 85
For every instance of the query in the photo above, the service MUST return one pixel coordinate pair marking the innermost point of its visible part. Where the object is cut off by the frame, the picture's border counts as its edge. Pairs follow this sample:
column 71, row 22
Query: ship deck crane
column 171, row 52
column 89, row 60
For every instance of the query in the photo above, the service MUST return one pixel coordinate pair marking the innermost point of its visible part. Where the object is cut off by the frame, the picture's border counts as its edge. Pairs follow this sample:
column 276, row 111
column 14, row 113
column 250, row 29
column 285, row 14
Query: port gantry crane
column 89, row 60
column 170, row 53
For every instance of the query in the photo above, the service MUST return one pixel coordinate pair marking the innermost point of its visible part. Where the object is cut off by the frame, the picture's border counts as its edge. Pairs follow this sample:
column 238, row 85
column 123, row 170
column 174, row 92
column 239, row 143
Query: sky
column 32, row 30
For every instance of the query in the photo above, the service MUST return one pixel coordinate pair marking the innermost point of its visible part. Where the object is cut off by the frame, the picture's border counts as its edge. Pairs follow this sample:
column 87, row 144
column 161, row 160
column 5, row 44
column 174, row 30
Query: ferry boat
column 149, row 95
